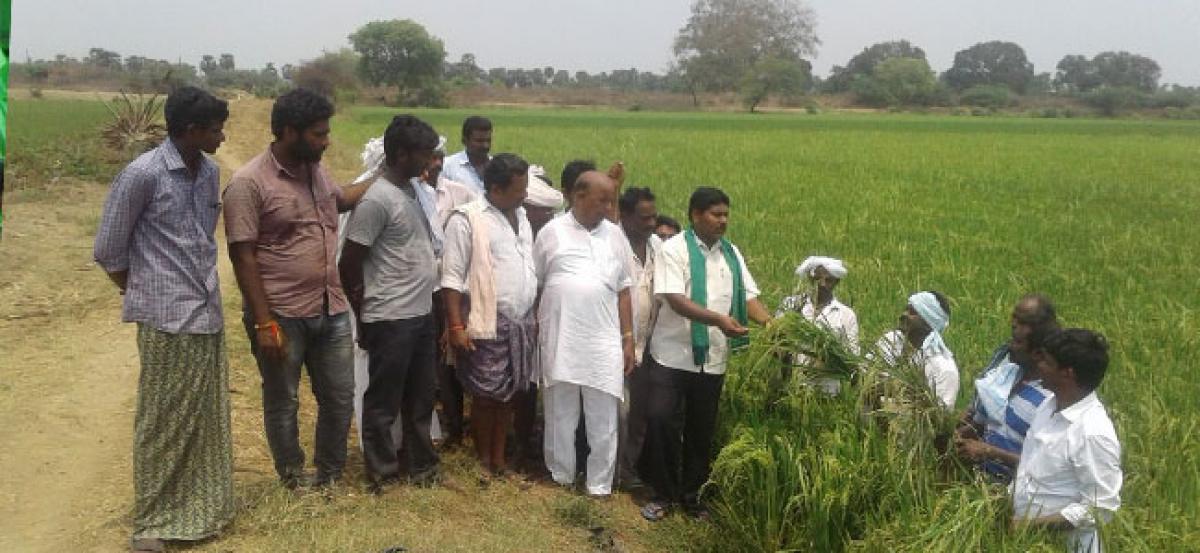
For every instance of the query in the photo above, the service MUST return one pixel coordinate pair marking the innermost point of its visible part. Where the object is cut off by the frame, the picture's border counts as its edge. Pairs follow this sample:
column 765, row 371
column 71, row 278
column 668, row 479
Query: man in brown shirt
column 281, row 217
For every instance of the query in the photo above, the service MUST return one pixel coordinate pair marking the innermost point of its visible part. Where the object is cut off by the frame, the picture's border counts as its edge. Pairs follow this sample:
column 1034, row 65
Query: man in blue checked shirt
column 157, row 245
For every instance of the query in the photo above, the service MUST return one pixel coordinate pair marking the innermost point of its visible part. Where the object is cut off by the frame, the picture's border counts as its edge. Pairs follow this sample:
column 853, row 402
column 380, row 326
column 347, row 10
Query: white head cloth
column 373, row 159
column 441, row 147
column 836, row 268
column 541, row 194
column 927, row 306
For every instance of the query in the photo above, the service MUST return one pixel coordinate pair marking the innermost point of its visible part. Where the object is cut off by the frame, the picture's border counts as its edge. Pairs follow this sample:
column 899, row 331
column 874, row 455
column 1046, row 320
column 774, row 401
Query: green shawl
column 699, row 295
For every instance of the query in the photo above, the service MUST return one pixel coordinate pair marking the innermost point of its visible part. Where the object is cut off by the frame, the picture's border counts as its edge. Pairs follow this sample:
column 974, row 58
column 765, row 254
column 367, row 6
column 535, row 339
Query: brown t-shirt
column 294, row 229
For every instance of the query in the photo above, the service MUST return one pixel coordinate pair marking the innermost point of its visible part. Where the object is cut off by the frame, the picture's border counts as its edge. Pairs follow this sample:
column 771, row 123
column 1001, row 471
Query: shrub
column 1112, row 100
column 987, row 96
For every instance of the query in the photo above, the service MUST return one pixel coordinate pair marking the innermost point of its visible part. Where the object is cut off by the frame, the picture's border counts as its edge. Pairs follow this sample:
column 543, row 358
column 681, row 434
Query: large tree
column 1122, row 69
column 991, row 63
column 1076, row 74
column 399, row 53
column 1113, row 69
column 724, row 40
column 907, row 81
column 775, row 75
column 864, row 63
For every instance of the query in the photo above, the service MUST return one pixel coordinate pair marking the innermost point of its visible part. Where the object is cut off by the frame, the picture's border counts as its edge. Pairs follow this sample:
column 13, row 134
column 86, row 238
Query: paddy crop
column 1100, row 215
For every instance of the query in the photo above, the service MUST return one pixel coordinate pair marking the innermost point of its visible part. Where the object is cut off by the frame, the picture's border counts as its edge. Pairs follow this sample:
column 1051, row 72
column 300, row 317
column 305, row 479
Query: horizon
column 1163, row 30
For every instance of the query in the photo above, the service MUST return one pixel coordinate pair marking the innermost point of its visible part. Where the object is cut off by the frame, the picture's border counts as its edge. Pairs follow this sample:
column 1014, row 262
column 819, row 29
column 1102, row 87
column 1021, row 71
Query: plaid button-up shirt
column 158, row 225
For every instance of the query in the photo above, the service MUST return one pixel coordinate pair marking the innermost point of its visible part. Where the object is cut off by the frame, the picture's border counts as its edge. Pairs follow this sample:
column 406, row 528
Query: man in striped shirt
column 1008, row 393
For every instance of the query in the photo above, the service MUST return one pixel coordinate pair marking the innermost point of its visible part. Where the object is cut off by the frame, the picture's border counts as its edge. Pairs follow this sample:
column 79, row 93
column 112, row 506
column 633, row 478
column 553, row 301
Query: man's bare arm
column 352, row 193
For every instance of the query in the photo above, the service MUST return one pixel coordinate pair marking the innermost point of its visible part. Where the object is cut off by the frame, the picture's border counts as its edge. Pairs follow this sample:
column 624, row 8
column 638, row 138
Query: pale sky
column 600, row 35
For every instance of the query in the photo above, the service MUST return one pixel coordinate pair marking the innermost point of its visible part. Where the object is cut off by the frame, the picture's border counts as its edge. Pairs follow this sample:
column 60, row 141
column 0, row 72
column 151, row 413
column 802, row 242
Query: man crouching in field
column 918, row 341
column 709, row 297
column 1007, row 393
column 281, row 220
column 157, row 244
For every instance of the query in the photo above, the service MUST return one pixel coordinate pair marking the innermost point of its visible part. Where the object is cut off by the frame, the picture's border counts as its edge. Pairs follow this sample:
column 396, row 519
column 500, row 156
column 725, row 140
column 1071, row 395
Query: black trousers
column 402, row 381
column 677, row 454
column 449, row 389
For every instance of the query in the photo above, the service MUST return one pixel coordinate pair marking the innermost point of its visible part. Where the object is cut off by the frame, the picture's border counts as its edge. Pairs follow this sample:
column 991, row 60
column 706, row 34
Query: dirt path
column 69, row 374
column 68, row 383
column 69, row 368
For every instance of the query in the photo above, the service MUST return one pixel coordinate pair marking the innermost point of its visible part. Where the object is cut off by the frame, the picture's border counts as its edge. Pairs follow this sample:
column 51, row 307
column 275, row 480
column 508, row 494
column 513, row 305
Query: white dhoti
column 561, row 404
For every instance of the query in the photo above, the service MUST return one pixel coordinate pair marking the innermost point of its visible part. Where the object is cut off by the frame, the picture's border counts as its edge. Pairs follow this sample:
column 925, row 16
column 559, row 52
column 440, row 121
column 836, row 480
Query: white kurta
column 941, row 372
column 579, row 331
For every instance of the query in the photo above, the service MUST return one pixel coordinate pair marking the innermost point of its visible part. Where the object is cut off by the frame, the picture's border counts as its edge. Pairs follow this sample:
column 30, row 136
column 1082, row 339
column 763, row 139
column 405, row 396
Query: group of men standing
column 459, row 261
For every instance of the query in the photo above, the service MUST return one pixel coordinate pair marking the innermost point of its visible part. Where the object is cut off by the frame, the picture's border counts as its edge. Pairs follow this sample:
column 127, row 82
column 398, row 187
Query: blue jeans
column 324, row 345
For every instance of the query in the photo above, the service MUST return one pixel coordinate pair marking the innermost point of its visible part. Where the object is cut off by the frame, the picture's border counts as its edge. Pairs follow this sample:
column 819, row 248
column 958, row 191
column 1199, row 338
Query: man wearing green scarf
column 708, row 296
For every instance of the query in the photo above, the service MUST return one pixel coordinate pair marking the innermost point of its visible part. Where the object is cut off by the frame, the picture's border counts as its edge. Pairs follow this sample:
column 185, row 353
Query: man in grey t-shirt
column 389, row 271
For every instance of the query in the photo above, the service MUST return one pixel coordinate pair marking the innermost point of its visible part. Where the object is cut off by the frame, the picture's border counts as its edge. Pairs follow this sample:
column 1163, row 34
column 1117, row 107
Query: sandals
column 655, row 511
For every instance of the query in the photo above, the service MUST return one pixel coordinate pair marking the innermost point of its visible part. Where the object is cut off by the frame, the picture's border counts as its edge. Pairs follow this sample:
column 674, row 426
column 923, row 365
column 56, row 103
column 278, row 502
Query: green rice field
column 1102, row 215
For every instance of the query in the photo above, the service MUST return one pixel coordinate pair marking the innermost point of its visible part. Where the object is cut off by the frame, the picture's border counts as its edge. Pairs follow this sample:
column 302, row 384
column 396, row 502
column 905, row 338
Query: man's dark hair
column 190, row 106
column 571, row 172
column 1082, row 350
column 705, row 197
column 299, row 108
column 668, row 221
column 499, row 172
column 409, row 134
column 1044, row 312
column 475, row 123
column 633, row 196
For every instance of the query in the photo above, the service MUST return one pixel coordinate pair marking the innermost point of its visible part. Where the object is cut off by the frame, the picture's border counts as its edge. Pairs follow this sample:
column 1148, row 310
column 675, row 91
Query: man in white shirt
column 1069, row 476
column 708, row 296
column 467, row 166
column 815, row 302
column 489, row 285
column 918, row 341
column 389, row 272
column 639, row 215
column 585, row 332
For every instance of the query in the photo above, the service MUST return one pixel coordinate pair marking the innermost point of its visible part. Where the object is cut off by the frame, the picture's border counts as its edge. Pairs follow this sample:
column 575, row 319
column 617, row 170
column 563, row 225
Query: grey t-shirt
column 400, row 272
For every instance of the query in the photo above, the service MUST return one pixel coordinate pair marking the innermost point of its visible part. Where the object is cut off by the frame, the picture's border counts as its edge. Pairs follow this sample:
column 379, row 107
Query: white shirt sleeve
column 623, row 252
column 670, row 272
column 456, row 253
column 1096, row 460
column 851, row 331
column 543, row 246
column 943, row 380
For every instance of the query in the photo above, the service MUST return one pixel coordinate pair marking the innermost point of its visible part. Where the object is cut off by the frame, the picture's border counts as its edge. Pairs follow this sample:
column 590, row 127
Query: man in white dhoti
column 585, row 331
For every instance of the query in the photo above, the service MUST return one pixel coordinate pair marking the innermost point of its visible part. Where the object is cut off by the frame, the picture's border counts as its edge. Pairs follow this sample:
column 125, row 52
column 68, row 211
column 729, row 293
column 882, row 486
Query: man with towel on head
column 814, row 300
column 918, row 340
column 542, row 203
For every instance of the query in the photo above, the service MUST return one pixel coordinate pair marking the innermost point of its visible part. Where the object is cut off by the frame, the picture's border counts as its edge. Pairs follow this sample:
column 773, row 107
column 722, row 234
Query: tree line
column 756, row 49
